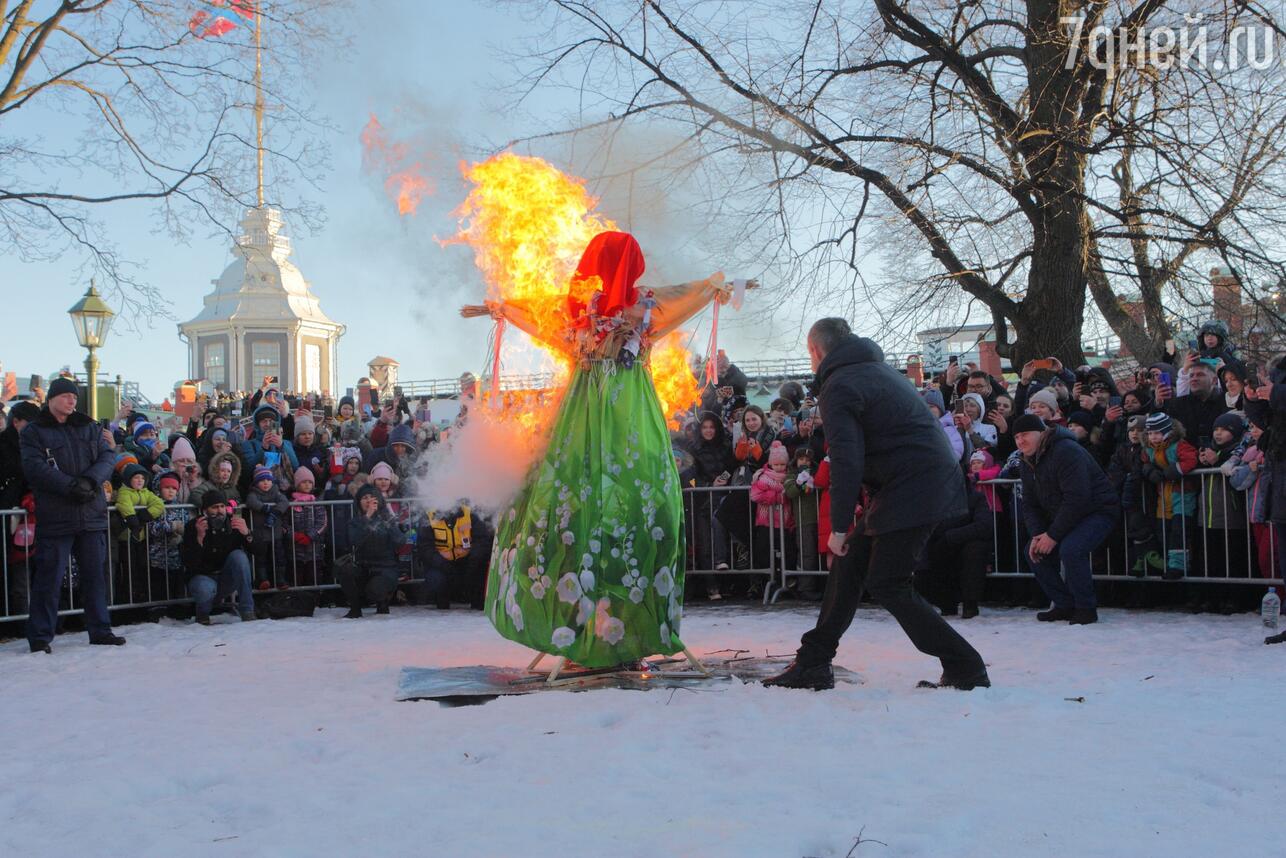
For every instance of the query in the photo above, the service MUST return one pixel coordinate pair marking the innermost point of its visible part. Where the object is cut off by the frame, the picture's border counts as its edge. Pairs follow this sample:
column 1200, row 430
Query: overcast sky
column 429, row 71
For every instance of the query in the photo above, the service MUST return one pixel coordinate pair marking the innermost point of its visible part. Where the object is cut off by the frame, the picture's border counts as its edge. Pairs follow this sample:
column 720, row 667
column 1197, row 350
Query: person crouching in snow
column 268, row 507
column 376, row 536
column 768, row 492
column 453, row 551
column 306, row 529
column 214, row 558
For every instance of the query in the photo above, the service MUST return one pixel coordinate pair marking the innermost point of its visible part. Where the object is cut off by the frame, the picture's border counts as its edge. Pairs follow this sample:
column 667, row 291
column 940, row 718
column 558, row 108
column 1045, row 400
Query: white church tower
column 262, row 319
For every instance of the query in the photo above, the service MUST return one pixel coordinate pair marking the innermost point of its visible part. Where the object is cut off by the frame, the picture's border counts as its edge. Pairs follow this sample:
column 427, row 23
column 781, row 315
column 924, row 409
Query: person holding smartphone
column 215, row 551
column 713, row 464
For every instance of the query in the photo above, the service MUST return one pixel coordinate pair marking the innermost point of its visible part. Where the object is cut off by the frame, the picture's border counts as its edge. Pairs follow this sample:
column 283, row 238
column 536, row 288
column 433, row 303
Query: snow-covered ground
column 283, row 739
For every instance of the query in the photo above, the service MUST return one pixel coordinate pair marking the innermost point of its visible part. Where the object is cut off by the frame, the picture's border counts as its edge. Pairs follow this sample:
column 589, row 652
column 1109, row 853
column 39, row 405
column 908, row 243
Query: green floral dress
column 588, row 563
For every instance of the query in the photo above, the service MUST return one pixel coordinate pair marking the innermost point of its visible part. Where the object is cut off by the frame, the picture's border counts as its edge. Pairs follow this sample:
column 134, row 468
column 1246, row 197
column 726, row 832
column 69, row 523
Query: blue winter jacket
column 53, row 455
column 1062, row 485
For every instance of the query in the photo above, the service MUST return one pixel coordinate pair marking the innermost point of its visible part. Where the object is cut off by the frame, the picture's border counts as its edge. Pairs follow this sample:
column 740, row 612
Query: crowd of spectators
column 260, row 498
column 1165, row 472
column 1161, row 472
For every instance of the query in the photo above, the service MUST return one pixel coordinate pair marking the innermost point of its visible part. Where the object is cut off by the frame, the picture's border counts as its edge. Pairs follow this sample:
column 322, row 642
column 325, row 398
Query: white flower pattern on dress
column 569, row 589
column 664, row 582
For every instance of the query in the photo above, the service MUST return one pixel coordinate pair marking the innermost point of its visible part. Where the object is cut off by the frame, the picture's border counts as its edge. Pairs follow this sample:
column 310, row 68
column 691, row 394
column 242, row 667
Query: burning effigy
column 588, row 559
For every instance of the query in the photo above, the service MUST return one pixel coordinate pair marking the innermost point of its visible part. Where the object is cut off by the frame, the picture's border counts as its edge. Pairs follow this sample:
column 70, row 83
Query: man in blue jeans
column 1070, row 507
column 65, row 459
column 215, row 556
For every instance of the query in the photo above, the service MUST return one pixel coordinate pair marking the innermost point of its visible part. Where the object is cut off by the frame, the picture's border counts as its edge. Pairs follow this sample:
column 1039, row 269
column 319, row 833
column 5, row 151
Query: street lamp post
column 91, row 317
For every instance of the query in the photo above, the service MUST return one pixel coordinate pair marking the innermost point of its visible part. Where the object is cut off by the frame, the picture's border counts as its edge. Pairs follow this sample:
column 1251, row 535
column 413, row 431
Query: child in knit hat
column 1249, row 472
column 267, row 507
column 1222, row 508
column 1166, row 460
column 801, row 491
column 164, row 536
column 306, row 527
column 137, row 506
column 768, row 493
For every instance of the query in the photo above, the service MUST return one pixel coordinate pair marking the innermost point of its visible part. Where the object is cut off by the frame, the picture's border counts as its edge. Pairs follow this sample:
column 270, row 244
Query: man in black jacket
column 1070, row 507
column 882, row 436
column 1199, row 407
column 66, row 460
column 215, row 556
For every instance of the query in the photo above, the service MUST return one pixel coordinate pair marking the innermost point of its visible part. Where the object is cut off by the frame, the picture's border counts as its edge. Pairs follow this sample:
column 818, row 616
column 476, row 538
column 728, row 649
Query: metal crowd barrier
column 134, row 581
column 781, row 558
column 716, row 552
column 1199, row 552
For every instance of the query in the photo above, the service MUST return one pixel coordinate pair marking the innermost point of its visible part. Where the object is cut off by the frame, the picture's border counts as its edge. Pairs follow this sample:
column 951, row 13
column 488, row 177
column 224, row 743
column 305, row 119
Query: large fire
column 527, row 223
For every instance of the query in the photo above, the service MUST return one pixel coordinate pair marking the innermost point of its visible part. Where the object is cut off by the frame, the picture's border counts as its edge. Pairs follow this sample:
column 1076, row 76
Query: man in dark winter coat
column 215, row 556
column 880, row 435
column 66, row 460
column 1070, row 508
column 1197, row 409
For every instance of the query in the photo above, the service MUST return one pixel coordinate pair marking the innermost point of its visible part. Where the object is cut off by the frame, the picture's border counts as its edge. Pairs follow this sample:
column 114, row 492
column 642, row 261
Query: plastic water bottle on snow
column 1270, row 608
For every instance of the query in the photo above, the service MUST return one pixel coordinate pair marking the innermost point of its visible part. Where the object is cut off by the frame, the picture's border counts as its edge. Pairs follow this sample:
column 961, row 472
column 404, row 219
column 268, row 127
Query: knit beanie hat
column 168, row 478
column 1081, row 418
column 124, row 460
column 304, row 473
column 132, row 471
column 1139, row 423
column 1029, row 423
column 61, row 385
column 1047, row 396
column 346, row 400
column 383, row 470
column 933, row 397
column 1159, row 421
column 212, row 497
column 777, row 454
column 1259, row 414
column 304, row 424
column 402, row 434
column 1233, row 422
column 140, row 428
column 262, row 473
column 182, row 449
column 219, row 434
column 24, row 410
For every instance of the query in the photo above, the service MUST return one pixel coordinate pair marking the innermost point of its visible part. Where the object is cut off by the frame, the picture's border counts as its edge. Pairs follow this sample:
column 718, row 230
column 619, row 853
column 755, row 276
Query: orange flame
column 405, row 185
column 676, row 386
column 527, row 223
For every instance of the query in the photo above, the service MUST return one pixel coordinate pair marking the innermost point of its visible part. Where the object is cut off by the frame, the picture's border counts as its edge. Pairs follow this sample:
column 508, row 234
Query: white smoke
column 484, row 462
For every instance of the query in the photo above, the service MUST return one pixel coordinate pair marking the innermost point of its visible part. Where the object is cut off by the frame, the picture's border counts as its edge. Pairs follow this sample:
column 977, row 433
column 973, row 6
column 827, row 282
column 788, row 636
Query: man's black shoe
column 203, row 619
column 41, row 646
column 969, row 611
column 381, row 607
column 1083, row 617
column 817, row 677
column 108, row 640
column 1276, row 639
column 1055, row 614
column 968, row 683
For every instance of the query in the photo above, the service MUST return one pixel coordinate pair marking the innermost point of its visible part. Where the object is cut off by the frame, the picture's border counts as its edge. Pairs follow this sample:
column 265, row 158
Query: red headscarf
column 617, row 260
